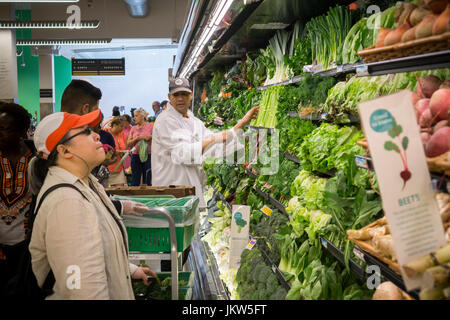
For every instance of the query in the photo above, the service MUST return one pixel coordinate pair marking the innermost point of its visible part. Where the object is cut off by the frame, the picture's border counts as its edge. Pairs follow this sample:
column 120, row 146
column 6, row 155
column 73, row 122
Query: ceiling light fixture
column 63, row 42
column 17, row 1
column 219, row 12
column 47, row 25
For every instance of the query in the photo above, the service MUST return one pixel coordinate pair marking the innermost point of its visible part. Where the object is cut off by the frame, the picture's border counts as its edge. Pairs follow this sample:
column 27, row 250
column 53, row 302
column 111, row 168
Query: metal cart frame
column 160, row 211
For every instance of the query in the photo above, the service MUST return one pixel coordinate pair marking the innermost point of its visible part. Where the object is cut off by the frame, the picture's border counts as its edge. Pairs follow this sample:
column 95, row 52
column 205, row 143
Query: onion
column 387, row 291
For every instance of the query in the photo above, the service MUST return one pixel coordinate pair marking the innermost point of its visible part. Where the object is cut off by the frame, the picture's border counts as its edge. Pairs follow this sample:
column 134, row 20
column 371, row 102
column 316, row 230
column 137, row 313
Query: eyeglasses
column 87, row 131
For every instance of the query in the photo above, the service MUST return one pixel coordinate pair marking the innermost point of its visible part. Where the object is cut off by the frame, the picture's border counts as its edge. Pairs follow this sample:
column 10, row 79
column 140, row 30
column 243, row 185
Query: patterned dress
column 15, row 200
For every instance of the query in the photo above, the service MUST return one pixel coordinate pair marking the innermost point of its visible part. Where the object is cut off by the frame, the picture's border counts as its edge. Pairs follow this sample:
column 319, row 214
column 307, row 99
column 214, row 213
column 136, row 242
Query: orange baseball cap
column 54, row 127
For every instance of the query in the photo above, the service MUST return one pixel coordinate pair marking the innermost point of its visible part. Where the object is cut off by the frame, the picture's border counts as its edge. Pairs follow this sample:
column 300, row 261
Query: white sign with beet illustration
column 398, row 156
column 240, row 228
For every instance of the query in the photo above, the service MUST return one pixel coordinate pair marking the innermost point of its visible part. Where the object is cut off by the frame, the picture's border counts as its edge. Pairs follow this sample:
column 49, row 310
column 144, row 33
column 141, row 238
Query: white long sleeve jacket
column 177, row 157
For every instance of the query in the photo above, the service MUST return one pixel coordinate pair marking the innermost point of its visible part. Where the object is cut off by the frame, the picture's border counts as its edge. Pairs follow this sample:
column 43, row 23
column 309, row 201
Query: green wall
column 28, row 76
column 62, row 77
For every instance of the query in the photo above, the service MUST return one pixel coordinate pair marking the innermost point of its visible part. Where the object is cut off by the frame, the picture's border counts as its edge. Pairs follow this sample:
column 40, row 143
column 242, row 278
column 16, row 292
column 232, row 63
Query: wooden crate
column 176, row 191
column 405, row 49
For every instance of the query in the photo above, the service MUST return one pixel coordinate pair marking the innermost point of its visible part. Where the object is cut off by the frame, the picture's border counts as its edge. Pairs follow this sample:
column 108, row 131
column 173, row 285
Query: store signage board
column 240, row 227
column 398, row 157
column 8, row 65
column 98, row 67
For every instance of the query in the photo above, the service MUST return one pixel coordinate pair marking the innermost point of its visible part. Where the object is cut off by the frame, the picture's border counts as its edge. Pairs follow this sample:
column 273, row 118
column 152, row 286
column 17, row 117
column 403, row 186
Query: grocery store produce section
column 326, row 223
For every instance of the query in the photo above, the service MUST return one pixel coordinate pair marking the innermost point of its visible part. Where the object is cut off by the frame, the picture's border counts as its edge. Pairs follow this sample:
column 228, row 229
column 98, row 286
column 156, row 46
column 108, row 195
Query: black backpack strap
column 51, row 189
column 49, row 282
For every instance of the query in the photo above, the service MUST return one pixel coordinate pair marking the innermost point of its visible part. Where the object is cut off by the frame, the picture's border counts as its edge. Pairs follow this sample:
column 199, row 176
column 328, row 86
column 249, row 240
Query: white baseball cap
column 54, row 127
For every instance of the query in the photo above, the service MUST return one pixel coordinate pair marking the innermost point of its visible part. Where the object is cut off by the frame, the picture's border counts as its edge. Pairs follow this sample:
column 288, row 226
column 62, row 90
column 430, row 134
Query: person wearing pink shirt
column 140, row 163
column 126, row 120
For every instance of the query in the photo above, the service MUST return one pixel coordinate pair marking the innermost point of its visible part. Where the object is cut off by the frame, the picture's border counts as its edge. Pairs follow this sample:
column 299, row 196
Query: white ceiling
column 165, row 19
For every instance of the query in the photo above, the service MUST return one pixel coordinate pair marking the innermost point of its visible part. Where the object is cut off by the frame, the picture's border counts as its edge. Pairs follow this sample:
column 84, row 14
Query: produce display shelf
column 295, row 159
column 333, row 72
column 328, row 174
column 323, row 117
column 385, row 271
column 441, row 182
column 287, row 82
column 220, row 284
column 207, row 284
column 279, row 206
column 339, row 70
column 261, row 244
column 269, row 130
column 223, row 199
column 276, row 271
column 355, row 268
column 428, row 61
column 250, row 173
column 290, row 157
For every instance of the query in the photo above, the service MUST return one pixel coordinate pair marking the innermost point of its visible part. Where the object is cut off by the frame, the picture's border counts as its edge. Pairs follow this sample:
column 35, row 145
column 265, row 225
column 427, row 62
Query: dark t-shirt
column 107, row 138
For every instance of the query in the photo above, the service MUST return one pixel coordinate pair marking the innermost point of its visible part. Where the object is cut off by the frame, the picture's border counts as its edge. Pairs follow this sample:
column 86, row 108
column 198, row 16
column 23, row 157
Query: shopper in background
column 78, row 229
column 126, row 119
column 133, row 123
column 80, row 97
column 15, row 197
column 116, row 174
column 141, row 138
column 180, row 141
column 164, row 105
column 106, row 123
column 156, row 108
column 116, row 111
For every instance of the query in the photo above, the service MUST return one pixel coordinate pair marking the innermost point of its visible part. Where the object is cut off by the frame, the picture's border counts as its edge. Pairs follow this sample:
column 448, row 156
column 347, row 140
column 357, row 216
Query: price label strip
column 362, row 71
column 361, row 162
column 359, row 254
column 324, row 243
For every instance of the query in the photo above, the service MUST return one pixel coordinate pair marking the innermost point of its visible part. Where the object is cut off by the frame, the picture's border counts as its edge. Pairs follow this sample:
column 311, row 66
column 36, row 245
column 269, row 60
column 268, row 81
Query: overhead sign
column 98, row 67
column 8, row 65
column 392, row 133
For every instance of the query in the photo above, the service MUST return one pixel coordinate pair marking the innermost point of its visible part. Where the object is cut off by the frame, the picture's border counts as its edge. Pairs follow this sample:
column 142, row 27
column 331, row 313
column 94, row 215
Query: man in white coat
column 181, row 142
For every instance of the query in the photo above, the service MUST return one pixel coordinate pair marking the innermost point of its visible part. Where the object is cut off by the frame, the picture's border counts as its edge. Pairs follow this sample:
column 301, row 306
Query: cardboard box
column 176, row 191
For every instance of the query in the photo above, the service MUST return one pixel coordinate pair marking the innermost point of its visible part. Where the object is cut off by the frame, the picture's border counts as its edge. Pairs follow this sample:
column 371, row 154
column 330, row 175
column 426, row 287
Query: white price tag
column 324, row 243
column 361, row 162
column 362, row 71
column 339, row 68
column 359, row 254
column 323, row 116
